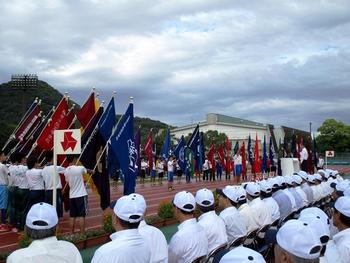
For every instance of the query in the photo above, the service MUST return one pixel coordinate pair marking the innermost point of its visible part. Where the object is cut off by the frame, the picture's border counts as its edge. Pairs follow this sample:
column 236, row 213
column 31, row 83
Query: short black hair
column 70, row 157
column 205, row 209
column 265, row 195
column 31, row 161
column 187, row 206
column 49, row 156
column 128, row 225
column 40, row 233
column 19, row 157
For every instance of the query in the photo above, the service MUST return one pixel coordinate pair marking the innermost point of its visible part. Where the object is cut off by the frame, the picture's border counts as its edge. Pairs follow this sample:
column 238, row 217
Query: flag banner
column 166, row 149
column 211, row 154
column 250, row 151
column 221, row 155
column 179, row 153
column 148, row 149
column 123, row 146
column 137, row 140
column 271, row 155
column 58, row 121
column 71, row 118
column 194, row 140
column 28, row 123
column 228, row 156
column 67, row 141
column 87, row 111
column 189, row 170
column 244, row 160
column 108, row 121
column 236, row 148
column 256, row 166
column 200, row 153
column 264, row 160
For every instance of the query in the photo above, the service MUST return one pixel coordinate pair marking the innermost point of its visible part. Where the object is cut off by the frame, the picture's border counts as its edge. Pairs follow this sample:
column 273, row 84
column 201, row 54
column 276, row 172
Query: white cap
column 252, row 189
column 42, row 212
column 281, row 180
column 321, row 172
column 242, row 255
column 265, row 186
column 303, row 174
column 234, row 193
column 311, row 178
column 141, row 200
column 297, row 179
column 299, row 239
column 183, row 199
column 343, row 205
column 326, row 174
column 342, row 186
column 205, row 197
column 129, row 208
column 318, row 224
column 289, row 179
column 317, row 212
column 240, row 193
column 318, row 177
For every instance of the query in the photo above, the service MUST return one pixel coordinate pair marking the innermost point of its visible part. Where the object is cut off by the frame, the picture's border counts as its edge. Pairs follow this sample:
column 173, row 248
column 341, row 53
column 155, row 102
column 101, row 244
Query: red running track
column 153, row 195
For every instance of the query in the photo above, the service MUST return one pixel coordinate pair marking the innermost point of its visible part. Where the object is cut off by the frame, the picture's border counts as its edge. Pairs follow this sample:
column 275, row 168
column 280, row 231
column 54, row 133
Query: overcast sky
column 279, row 62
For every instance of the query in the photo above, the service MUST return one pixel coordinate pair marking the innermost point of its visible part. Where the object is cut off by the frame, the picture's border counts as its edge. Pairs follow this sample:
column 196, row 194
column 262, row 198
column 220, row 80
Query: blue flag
column 271, row 156
column 107, row 121
column 138, row 150
column 200, row 153
column 166, row 150
column 123, row 146
column 194, row 140
column 179, row 153
column 264, row 160
column 236, row 148
column 250, row 151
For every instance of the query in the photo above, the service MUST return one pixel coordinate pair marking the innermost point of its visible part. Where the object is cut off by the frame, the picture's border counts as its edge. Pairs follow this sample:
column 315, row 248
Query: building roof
column 234, row 120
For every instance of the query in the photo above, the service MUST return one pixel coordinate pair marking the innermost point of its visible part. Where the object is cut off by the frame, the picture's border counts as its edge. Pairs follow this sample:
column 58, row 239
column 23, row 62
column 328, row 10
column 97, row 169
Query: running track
column 153, row 195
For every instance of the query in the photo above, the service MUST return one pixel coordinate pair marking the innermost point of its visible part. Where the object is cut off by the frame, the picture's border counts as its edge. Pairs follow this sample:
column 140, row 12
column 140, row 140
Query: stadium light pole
column 24, row 82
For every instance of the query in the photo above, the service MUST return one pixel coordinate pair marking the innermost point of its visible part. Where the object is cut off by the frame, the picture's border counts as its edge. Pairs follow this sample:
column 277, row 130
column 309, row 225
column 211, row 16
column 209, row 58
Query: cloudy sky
column 280, row 62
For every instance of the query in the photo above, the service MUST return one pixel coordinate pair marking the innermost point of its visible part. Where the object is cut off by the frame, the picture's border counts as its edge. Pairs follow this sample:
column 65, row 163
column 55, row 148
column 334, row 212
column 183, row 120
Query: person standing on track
column 160, row 170
column 4, row 181
column 170, row 166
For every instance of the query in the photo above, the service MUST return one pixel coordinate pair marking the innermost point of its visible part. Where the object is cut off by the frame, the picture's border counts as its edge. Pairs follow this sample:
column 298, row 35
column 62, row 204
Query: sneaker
column 14, row 230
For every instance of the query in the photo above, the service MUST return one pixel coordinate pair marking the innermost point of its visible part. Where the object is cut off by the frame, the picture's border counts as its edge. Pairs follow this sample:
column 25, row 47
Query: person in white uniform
column 35, row 182
column 127, row 245
column 234, row 222
column 4, row 182
column 155, row 238
column 41, row 226
column 190, row 241
column 338, row 249
column 266, row 195
column 23, row 190
column 213, row 225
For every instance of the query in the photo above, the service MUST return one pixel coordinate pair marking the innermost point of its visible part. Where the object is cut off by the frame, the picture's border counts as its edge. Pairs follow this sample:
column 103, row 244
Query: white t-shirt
column 304, row 155
column 274, row 208
column 160, row 167
column 144, row 165
column 261, row 212
column 74, row 177
column 21, row 176
column 35, row 179
column 170, row 166
column 246, row 213
column 234, row 222
column 48, row 250
column 214, row 228
column 12, row 175
column 237, row 159
column 48, row 173
column 4, row 174
column 206, row 165
column 156, row 241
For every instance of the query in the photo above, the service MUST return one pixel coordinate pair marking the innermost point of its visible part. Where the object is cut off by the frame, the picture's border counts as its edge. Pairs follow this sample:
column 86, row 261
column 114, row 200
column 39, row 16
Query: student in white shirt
column 127, row 245
column 23, row 190
column 266, row 195
column 160, row 170
column 260, row 210
column 12, row 193
column 35, row 182
column 338, row 249
column 144, row 167
column 206, row 169
column 213, row 225
column 304, row 155
column 41, row 226
column 78, row 197
column 234, row 222
column 237, row 161
column 48, row 174
column 170, row 167
column 154, row 237
column 190, row 241
column 4, row 181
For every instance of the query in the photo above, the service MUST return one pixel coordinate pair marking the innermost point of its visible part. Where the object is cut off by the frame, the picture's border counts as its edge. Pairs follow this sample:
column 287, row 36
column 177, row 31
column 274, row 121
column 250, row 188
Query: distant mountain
column 11, row 109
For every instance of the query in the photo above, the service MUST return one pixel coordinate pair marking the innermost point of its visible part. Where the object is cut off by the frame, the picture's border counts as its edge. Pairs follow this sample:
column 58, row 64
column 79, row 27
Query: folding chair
column 200, row 259
column 214, row 252
column 236, row 242
column 250, row 238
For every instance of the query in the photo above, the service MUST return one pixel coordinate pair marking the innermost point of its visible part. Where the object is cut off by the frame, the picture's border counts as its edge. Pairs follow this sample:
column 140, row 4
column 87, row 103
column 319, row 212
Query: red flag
column 244, row 163
column 58, row 122
column 28, row 123
column 149, row 150
column 256, row 156
column 87, row 111
column 70, row 118
column 228, row 156
column 221, row 154
column 211, row 154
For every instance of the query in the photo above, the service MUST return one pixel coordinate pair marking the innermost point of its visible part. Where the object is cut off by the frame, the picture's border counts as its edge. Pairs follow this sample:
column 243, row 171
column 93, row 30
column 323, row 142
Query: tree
column 334, row 135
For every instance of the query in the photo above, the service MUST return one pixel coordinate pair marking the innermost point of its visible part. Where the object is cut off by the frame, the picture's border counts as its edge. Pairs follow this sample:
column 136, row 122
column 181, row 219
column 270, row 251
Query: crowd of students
column 305, row 217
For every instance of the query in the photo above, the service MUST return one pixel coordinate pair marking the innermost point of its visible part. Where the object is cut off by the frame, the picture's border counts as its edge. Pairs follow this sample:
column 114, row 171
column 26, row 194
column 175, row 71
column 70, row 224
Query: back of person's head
column 205, row 200
column 72, row 157
column 265, row 189
column 13, row 158
column 41, row 221
column 31, row 161
column 49, row 156
column 252, row 189
column 342, row 212
column 184, row 202
column 20, row 157
column 129, row 211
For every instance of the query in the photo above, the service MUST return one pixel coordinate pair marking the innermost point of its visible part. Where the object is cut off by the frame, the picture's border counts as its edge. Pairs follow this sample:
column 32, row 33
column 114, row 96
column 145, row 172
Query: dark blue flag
column 271, row 155
column 200, row 153
column 250, row 151
column 166, row 150
column 123, row 146
column 264, row 160
column 179, row 153
column 194, row 140
column 138, row 150
column 236, row 148
column 107, row 121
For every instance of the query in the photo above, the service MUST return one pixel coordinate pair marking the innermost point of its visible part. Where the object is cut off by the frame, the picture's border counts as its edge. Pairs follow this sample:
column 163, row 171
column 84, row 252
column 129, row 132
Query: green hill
column 11, row 110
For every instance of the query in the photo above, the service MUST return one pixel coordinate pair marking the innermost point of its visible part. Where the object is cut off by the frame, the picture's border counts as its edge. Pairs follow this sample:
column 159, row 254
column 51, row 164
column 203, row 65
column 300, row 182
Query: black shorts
column 143, row 173
column 78, row 206
column 161, row 175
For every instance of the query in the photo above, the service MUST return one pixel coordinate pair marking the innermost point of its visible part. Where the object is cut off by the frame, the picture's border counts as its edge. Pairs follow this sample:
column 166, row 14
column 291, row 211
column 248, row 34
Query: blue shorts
column 238, row 170
column 153, row 173
column 3, row 196
column 170, row 176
